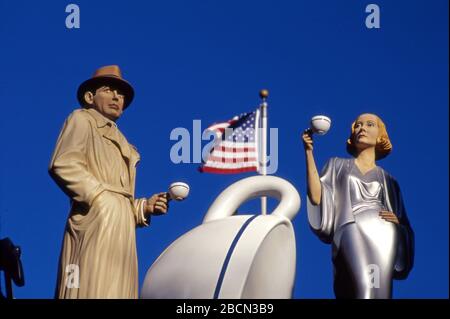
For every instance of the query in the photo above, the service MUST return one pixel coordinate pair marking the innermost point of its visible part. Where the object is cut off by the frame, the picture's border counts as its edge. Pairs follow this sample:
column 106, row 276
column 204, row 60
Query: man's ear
column 89, row 97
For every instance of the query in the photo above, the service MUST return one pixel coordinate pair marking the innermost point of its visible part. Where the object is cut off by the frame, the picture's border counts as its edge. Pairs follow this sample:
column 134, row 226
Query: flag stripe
column 234, row 149
column 230, row 145
column 220, row 125
column 232, row 159
column 206, row 169
column 231, row 165
column 233, row 155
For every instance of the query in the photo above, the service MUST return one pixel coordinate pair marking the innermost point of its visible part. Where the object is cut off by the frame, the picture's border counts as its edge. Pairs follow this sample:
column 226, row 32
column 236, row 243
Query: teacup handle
column 227, row 203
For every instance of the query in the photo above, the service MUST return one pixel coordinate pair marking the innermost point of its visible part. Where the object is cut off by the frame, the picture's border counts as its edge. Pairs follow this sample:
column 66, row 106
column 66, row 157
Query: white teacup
column 320, row 124
column 178, row 191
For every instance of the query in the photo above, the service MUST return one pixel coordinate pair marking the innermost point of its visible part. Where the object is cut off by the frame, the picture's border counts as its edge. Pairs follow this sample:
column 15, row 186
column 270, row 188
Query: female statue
column 357, row 207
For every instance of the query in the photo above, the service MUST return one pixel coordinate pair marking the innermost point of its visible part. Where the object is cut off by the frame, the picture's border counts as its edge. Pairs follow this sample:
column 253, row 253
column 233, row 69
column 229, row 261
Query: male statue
column 95, row 166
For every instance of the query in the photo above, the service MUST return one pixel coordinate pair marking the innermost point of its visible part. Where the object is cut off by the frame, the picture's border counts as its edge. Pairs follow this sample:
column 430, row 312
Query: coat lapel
column 108, row 129
column 112, row 133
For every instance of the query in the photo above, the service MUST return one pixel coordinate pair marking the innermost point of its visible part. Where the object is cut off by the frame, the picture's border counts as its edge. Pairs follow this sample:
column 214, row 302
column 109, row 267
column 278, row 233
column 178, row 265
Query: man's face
column 109, row 101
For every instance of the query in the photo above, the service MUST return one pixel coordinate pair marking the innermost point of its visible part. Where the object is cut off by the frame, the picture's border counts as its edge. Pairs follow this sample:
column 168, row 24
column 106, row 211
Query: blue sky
column 207, row 60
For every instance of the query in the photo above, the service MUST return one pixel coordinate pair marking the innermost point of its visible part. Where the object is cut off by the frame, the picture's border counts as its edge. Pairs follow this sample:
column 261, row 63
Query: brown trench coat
column 95, row 166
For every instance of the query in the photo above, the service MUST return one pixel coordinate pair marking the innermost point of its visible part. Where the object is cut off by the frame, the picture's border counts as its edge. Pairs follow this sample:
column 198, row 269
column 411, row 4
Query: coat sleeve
column 68, row 166
column 141, row 219
column 321, row 217
column 405, row 251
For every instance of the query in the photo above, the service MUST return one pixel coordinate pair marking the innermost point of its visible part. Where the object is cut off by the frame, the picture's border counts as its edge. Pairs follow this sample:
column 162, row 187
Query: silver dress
column 368, row 252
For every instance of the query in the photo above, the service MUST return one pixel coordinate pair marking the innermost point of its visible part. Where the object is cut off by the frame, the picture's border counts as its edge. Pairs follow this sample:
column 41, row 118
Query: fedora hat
column 107, row 75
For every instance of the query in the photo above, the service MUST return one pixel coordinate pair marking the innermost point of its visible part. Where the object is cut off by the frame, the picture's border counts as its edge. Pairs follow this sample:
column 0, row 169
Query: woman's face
column 366, row 131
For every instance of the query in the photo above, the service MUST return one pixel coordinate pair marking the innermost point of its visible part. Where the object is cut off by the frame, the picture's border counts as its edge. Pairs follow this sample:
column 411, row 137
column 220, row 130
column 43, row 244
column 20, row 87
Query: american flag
column 236, row 146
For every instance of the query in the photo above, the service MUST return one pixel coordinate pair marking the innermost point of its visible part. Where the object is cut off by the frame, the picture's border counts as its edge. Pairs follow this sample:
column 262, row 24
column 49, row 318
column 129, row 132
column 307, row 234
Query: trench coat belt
column 118, row 190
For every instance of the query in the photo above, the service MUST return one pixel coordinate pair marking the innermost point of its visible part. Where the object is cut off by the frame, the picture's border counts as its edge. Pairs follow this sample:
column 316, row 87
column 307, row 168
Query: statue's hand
column 307, row 140
column 158, row 204
column 389, row 216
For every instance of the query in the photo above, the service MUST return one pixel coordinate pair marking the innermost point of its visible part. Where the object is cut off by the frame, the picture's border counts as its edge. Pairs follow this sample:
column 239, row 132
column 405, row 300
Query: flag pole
column 263, row 94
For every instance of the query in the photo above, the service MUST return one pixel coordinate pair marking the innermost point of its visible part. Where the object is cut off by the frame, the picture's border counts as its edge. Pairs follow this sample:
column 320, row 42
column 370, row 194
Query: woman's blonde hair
column 383, row 146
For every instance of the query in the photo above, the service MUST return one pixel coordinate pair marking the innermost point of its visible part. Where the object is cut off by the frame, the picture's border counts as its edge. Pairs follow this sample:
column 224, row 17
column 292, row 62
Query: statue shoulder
column 339, row 162
column 80, row 116
column 78, row 120
column 337, row 165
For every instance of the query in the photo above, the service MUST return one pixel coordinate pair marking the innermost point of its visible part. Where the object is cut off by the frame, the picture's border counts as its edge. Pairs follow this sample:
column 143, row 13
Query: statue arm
column 321, row 217
column 68, row 166
column 405, row 253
